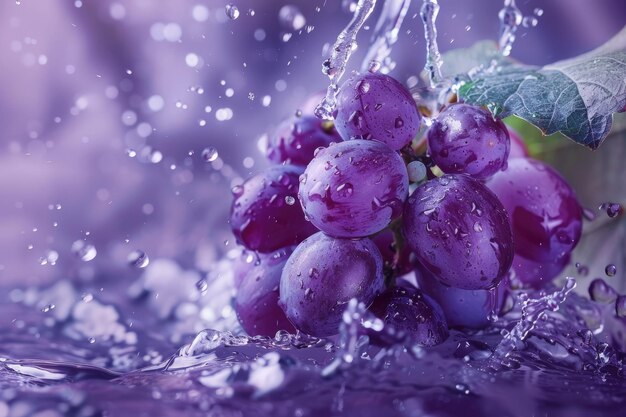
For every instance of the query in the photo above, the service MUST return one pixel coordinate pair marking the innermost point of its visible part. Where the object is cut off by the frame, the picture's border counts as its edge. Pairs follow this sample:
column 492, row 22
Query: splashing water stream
column 510, row 19
column 428, row 13
column 63, row 353
column 335, row 66
column 385, row 35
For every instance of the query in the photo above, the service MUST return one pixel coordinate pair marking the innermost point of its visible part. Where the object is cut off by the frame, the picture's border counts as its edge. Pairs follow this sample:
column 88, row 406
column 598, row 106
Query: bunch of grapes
column 355, row 208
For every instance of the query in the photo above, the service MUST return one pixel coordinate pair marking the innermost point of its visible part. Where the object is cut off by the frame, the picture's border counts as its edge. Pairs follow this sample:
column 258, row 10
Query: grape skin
column 518, row 147
column 261, row 210
column 322, row 275
column 466, row 139
column 413, row 314
column 462, row 308
column 257, row 298
column 296, row 139
column 538, row 274
column 459, row 231
column 376, row 106
column 354, row 188
column 545, row 215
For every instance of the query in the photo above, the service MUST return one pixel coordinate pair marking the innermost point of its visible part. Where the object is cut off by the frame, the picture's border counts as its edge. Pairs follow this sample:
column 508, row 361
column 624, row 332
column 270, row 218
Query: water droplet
column 50, row 258
column 232, row 11
column 209, row 154
column 529, row 21
column 291, row 18
column 477, row 227
column 601, row 292
column 138, row 259
column 84, row 250
column 610, row 270
column 538, row 12
column 91, row 340
column 202, row 286
column 47, row 308
column 613, row 209
column 510, row 18
column 345, row 189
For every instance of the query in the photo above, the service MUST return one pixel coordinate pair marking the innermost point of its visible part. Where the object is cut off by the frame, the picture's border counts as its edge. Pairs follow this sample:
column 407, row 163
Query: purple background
column 69, row 76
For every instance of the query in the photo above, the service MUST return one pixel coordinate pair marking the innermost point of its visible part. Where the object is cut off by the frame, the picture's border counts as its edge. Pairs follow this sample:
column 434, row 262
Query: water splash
column 429, row 12
column 510, row 19
column 335, row 66
column 385, row 35
column 532, row 311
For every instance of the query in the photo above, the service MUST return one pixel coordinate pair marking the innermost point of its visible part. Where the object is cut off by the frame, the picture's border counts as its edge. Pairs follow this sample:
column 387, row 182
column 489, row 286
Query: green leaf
column 576, row 97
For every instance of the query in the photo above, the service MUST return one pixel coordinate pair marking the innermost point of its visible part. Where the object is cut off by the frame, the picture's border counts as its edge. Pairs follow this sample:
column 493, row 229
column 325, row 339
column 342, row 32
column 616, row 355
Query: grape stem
column 398, row 244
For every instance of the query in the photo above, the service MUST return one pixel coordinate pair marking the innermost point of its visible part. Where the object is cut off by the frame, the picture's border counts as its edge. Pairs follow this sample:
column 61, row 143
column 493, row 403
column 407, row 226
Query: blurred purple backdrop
column 81, row 84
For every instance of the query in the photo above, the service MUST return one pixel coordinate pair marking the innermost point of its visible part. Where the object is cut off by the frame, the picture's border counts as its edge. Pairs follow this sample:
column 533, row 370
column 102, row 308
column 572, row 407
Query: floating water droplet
column 50, row 258
column 209, row 154
column 538, row 12
column 601, row 292
column 202, row 286
column 613, row 209
column 85, row 251
column 232, row 11
column 510, row 18
column 610, row 270
column 529, row 21
column 91, row 340
column 291, row 18
column 290, row 200
column 138, row 259
column 47, row 308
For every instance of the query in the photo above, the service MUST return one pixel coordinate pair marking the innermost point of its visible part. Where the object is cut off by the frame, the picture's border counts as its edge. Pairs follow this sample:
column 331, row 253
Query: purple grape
column 462, row 308
column 257, row 296
column 322, row 275
column 248, row 260
column 412, row 314
column 308, row 106
column 297, row 138
column 518, row 147
column 545, row 215
column 466, row 139
column 354, row 188
column 376, row 106
column 265, row 214
column 538, row 274
column 459, row 231
column 242, row 264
